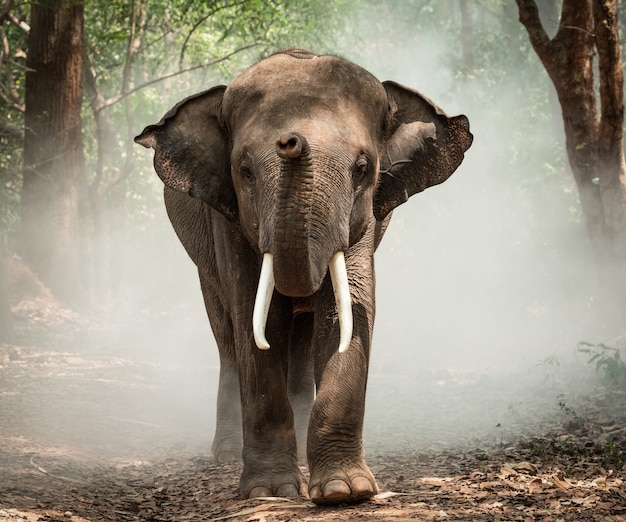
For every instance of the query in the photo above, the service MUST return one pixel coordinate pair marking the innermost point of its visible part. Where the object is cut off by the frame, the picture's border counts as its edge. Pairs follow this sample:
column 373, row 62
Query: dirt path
column 98, row 423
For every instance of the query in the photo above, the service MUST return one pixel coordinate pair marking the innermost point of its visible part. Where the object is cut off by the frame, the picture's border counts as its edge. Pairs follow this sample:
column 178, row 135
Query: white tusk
column 339, row 277
column 263, row 300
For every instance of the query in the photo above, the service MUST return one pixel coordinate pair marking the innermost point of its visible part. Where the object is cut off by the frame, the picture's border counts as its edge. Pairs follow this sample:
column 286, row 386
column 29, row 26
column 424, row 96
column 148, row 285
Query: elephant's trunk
column 306, row 239
column 292, row 145
column 301, row 244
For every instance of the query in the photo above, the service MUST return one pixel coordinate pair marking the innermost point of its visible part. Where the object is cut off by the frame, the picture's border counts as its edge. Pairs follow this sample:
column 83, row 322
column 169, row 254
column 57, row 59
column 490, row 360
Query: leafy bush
column 608, row 361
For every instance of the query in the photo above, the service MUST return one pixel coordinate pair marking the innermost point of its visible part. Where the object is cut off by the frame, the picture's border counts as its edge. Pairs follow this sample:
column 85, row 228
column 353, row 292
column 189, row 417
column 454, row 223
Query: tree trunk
column 611, row 165
column 53, row 158
column 467, row 36
column 114, row 164
column 593, row 141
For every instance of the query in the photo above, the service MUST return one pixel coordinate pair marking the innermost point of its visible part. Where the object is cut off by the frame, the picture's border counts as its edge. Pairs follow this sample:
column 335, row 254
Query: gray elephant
column 280, row 187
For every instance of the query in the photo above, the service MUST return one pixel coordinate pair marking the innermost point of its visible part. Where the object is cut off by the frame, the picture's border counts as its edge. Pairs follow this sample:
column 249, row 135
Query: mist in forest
column 484, row 285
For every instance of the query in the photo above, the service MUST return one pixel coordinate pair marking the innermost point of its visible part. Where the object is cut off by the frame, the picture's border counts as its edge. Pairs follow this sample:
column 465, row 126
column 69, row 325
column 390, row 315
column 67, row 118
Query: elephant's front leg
column 269, row 439
column 335, row 445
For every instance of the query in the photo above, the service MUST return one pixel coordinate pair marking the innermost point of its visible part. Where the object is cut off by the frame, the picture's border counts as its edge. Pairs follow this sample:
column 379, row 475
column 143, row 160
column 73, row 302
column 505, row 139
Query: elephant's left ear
column 191, row 151
column 424, row 149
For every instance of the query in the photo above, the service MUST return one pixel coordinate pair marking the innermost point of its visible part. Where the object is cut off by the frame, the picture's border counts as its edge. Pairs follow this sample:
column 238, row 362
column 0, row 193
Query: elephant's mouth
column 341, row 288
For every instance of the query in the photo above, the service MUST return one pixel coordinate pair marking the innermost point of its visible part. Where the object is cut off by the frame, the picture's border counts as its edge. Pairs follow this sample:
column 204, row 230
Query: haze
column 483, row 287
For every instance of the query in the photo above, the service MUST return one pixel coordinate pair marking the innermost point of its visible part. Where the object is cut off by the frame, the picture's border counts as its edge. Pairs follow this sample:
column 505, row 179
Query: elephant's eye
column 246, row 173
column 360, row 172
column 361, row 167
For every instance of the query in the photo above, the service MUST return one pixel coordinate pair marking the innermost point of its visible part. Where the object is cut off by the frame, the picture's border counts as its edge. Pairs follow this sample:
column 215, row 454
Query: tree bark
column 611, row 165
column 593, row 140
column 53, row 158
column 467, row 36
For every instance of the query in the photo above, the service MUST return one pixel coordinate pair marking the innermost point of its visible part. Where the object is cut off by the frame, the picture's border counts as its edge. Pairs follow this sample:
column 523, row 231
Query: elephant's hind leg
column 301, row 379
column 228, row 440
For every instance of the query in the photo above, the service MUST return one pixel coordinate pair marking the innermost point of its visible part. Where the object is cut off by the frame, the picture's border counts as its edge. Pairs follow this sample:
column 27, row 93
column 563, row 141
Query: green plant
column 550, row 366
column 608, row 361
column 573, row 420
column 610, row 454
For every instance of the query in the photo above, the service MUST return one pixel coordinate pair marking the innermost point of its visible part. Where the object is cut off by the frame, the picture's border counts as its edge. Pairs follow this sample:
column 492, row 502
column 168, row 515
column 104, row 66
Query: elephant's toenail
column 315, row 492
column 259, row 491
column 336, row 488
column 287, row 490
column 362, row 487
column 223, row 458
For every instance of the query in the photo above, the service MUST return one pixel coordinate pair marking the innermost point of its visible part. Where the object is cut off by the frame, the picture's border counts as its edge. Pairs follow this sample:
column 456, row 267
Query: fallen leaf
column 387, row 494
column 490, row 485
column 535, row 485
column 434, row 481
column 600, row 482
column 523, row 467
column 259, row 508
column 506, row 472
column 561, row 482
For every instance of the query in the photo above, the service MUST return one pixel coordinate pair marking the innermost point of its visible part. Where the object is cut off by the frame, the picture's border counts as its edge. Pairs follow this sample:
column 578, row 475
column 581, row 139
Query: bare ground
column 99, row 424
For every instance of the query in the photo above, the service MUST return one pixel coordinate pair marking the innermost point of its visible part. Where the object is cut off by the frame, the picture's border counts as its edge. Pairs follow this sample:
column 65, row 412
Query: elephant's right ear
column 424, row 149
column 192, row 151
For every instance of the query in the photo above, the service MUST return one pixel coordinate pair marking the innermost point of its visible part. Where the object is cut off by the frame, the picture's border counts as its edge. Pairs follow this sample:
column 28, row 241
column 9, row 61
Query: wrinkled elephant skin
column 295, row 166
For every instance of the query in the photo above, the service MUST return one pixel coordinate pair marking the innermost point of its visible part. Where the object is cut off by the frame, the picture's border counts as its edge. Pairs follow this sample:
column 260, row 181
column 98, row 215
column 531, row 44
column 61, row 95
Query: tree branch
column 539, row 39
column 199, row 23
column 5, row 10
column 116, row 99
column 10, row 131
column 8, row 91
column 21, row 24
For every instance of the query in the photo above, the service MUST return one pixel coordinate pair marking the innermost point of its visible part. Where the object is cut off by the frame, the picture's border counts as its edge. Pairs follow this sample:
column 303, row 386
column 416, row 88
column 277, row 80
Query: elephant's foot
column 342, row 484
column 226, row 451
column 288, row 483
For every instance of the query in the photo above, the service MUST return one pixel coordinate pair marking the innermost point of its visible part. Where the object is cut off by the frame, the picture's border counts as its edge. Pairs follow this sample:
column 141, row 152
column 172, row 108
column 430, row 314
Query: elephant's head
column 302, row 151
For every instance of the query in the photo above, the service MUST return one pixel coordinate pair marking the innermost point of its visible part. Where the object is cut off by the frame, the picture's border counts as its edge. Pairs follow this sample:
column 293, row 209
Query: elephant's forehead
column 325, row 132
column 283, row 86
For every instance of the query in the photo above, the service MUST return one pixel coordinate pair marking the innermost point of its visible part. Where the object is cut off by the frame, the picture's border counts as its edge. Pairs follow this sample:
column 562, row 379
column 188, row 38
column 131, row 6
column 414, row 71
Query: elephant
column 280, row 187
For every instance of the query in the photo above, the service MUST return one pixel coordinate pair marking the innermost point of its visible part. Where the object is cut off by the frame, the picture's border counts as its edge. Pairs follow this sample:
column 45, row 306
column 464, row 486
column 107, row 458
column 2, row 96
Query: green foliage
column 12, row 67
column 140, row 58
column 572, row 420
column 10, row 167
column 176, row 48
column 145, row 55
column 610, row 454
column 608, row 361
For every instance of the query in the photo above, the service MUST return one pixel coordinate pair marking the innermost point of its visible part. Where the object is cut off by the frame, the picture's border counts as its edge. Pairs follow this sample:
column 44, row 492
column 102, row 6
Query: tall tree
column 52, row 145
column 467, row 36
column 593, row 138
